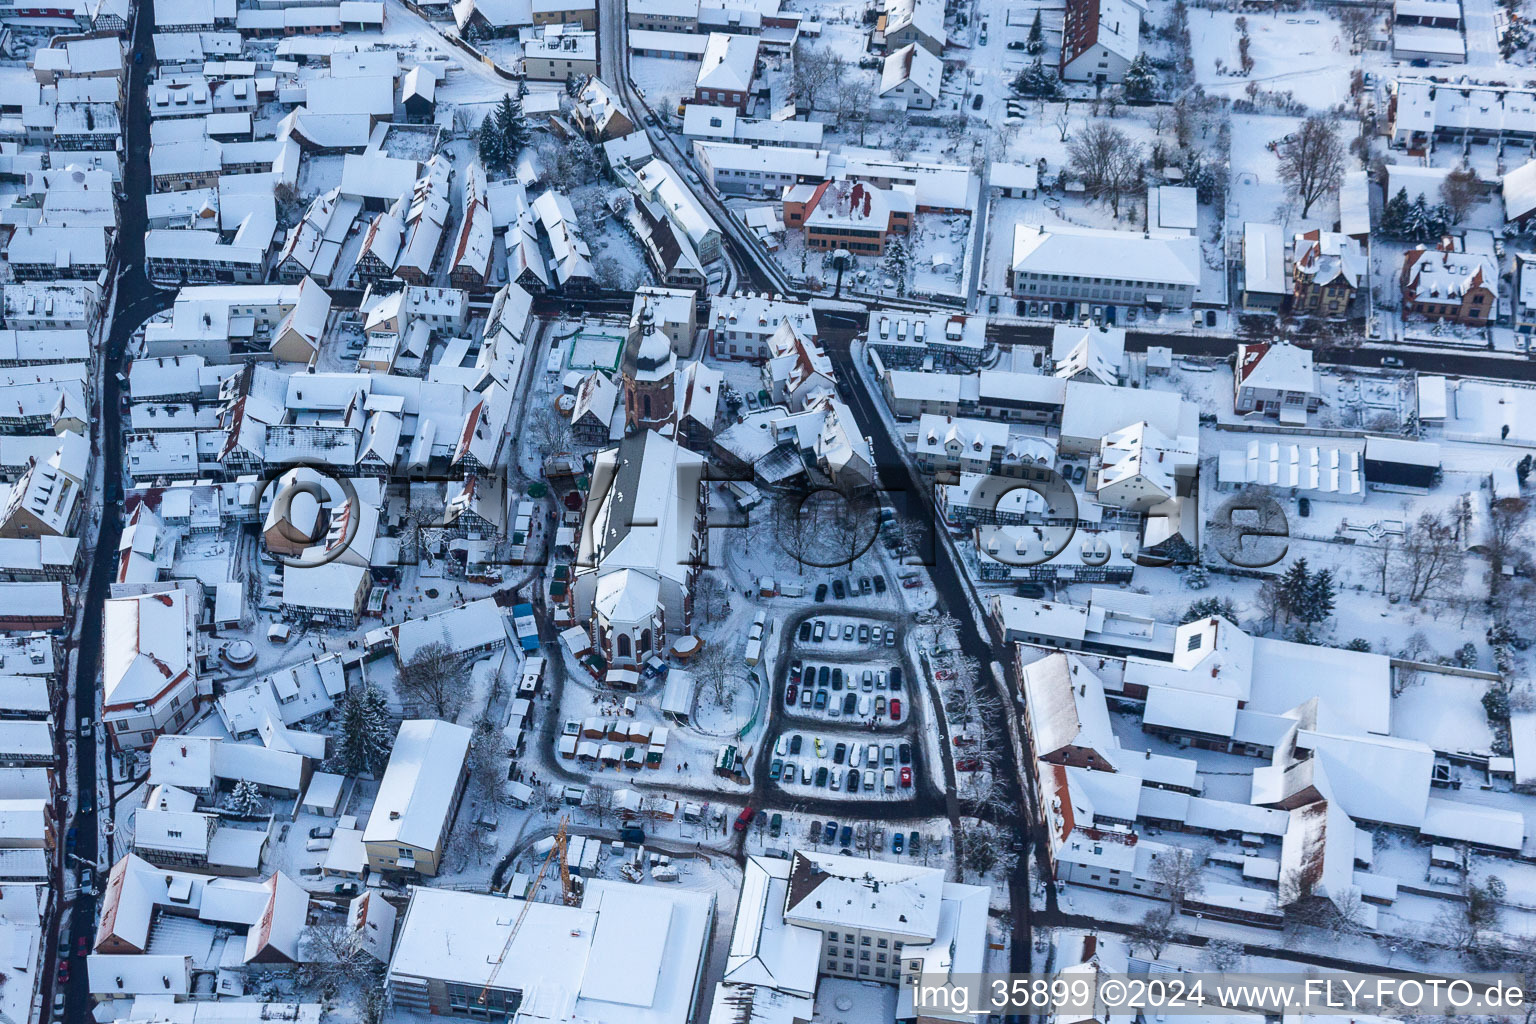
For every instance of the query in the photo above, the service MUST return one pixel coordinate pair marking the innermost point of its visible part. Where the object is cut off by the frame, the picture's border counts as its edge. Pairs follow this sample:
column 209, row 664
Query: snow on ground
column 663, row 81
column 1257, row 193
column 1301, row 52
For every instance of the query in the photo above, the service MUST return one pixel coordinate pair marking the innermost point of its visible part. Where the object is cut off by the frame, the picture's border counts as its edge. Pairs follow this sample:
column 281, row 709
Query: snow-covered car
column 879, row 704
column 869, row 779
column 863, row 632
column 782, row 746
column 888, row 753
column 819, row 632
column 847, row 631
column 789, row 772
column 888, row 777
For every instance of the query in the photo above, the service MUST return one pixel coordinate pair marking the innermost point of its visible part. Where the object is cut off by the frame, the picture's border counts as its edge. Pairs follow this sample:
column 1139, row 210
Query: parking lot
column 832, row 764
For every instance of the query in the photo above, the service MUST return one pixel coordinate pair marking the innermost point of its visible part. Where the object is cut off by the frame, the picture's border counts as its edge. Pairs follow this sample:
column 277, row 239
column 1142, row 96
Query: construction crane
column 557, row 850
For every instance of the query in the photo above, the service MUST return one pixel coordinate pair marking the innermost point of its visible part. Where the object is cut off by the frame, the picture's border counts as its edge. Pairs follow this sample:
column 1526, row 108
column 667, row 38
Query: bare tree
column 1152, row 933
column 335, row 958
column 793, row 524
column 1109, row 164
column 433, row 678
column 710, row 596
column 1062, row 122
column 1312, row 161
column 715, row 668
column 817, row 71
column 1381, row 561
column 1356, row 24
column 1459, row 191
column 598, row 801
column 1224, row 954
column 1177, row 871
column 1505, row 540
column 855, row 101
column 1432, row 564
column 487, row 768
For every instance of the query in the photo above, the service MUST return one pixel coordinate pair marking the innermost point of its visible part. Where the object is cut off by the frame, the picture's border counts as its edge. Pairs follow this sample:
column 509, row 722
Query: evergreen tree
column 1423, row 222
column 898, row 262
column 493, row 155
column 1210, row 607
column 244, row 799
column 367, row 731
column 1360, row 644
column 1198, row 578
column 1036, row 41
column 509, row 123
column 1295, row 584
column 1318, row 600
column 1394, row 216
column 1140, row 81
column 1037, row 81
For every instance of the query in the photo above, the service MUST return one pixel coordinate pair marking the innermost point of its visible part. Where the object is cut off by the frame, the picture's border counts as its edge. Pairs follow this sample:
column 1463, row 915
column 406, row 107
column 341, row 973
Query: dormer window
column 1194, row 642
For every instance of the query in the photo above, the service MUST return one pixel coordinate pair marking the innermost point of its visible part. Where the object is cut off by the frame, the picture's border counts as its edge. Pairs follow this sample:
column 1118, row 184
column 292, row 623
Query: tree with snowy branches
column 1036, row 41
column 1140, row 78
column 1037, row 81
column 367, row 731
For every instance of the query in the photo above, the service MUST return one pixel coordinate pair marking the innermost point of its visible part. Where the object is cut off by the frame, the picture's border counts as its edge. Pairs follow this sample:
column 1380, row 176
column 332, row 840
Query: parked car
column 863, row 632
column 1392, row 362
column 85, row 727
column 823, row 673
column 864, row 584
column 904, row 753
column 895, row 677
column 839, row 752
column 322, row 832
column 795, row 668
column 868, row 682
column 888, row 780
column 61, row 975
column 821, row 701
column 847, row 631
column 914, row 843
column 879, row 584
column 838, row 590
column 850, row 703
column 815, row 831
column 896, row 843
column 1304, row 507
column 1210, row 318
column 775, row 770
column 795, row 743
column 791, row 773
column 911, row 584
column 906, row 777
column 743, row 819
column 968, row 764
column 87, row 879
column 821, row 776
column 853, row 780
column 847, row 835
column 976, row 103
column 830, row 835
column 880, row 680
column 869, row 779
column 895, row 709
column 805, row 631
column 821, row 592
column 819, row 631
column 821, row 747
column 879, row 704
column 807, row 697
column 82, row 946
column 992, row 304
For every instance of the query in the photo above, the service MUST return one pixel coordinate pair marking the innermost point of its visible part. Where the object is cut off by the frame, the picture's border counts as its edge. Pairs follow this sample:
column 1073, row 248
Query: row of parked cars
column 813, row 688
column 863, row 837
column 854, row 764
column 814, row 631
column 840, row 590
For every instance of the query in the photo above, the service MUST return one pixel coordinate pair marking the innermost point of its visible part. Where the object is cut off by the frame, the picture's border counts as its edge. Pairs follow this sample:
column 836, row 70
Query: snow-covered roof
column 1012, row 175
column 729, row 63
column 1355, row 204
column 1095, row 351
column 469, row 627
column 1264, row 259
column 1276, row 367
column 827, row 890
column 147, row 647
column 912, row 63
column 1077, row 252
column 1320, row 471
column 765, row 949
column 416, row 794
column 1327, row 256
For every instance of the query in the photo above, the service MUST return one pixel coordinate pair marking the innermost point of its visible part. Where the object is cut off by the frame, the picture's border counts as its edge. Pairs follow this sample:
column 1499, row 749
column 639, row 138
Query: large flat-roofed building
column 628, row 955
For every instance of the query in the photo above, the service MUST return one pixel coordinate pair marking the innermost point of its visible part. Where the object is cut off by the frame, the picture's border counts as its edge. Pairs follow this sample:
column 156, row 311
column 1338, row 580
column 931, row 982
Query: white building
column 638, row 552
column 149, row 665
column 1096, row 265
column 911, row 78
column 1099, row 39
column 630, row 954
column 417, row 798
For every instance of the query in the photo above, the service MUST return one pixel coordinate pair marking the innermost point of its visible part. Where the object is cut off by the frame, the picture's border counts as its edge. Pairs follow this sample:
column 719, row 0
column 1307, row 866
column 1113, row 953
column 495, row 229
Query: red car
column 906, row 777
column 912, row 584
column 61, row 976
column 944, row 673
column 968, row 764
column 83, row 945
column 790, row 692
column 743, row 819
column 895, row 709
